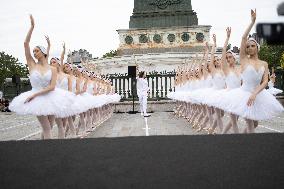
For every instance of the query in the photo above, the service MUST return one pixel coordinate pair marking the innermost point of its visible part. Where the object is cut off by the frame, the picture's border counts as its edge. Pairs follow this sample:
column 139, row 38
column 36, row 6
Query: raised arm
column 224, row 65
column 48, row 46
column 29, row 58
column 245, row 35
column 211, row 64
column 62, row 56
column 205, row 53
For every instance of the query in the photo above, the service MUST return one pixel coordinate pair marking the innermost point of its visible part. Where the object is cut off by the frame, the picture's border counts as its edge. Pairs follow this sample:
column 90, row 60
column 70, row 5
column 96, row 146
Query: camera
column 272, row 33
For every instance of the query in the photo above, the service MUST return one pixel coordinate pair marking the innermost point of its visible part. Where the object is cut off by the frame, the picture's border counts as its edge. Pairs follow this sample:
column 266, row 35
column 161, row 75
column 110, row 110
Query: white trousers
column 143, row 104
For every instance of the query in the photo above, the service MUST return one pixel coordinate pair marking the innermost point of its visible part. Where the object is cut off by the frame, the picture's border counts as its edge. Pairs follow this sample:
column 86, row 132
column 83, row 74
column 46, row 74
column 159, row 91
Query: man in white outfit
column 142, row 92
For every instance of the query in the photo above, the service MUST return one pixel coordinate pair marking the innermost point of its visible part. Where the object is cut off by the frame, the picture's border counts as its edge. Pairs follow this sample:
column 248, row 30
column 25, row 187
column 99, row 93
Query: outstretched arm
column 224, row 65
column 29, row 58
column 245, row 35
column 211, row 64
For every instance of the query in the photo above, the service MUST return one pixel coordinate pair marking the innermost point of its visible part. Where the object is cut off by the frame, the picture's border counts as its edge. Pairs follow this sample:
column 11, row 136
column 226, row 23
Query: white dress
column 183, row 90
column 196, row 87
column 97, row 101
column 63, row 84
column 272, row 90
column 265, row 105
column 52, row 103
column 204, row 91
column 212, row 94
column 83, row 99
column 233, row 81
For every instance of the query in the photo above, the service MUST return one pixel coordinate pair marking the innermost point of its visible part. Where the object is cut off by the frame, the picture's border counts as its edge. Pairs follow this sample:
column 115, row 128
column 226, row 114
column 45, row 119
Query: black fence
column 160, row 85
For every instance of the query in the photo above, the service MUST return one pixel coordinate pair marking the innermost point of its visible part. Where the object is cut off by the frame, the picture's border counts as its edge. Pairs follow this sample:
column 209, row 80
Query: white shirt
column 142, row 87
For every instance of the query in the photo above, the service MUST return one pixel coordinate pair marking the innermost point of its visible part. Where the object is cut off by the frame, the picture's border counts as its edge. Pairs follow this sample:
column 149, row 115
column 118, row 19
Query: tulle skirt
column 274, row 91
column 58, row 102
column 265, row 106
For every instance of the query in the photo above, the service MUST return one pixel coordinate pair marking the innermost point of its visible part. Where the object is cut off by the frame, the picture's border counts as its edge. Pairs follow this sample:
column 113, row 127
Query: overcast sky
column 92, row 24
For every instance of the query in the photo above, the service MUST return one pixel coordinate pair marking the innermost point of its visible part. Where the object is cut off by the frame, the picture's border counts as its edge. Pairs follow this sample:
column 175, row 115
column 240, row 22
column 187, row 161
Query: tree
column 272, row 54
column 112, row 53
column 10, row 66
column 282, row 61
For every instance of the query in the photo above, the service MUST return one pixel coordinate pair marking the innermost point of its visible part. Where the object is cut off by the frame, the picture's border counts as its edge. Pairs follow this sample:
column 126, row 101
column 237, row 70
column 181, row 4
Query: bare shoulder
column 264, row 63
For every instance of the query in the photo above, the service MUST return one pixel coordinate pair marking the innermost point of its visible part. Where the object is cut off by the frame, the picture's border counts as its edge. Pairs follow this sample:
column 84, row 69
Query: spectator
column 6, row 106
column 2, row 106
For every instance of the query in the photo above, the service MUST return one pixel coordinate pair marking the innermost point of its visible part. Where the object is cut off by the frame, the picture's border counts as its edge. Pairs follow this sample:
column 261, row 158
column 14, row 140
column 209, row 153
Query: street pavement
column 15, row 127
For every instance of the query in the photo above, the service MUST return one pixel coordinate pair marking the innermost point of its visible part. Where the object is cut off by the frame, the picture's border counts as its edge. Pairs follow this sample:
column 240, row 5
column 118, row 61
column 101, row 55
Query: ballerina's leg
column 45, row 125
column 59, row 123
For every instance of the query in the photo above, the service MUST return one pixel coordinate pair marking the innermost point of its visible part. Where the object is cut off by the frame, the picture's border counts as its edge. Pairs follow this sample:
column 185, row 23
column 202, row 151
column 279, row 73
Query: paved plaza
column 15, row 127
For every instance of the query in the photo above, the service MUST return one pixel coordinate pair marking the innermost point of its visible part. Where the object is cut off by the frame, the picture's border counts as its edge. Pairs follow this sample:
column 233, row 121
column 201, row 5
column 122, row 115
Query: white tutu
column 114, row 98
column 58, row 102
column 103, row 99
column 265, row 106
column 274, row 91
column 92, row 101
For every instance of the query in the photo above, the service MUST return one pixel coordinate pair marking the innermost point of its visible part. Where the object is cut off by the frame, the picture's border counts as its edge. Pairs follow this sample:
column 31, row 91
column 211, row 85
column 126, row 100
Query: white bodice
column 218, row 81
column 90, row 88
column 74, row 85
column 233, row 80
column 82, row 85
column 39, row 81
column 251, row 77
column 62, row 84
column 208, row 82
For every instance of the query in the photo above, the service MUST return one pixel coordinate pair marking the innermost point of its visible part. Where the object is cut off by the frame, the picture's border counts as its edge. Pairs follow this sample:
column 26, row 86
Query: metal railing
column 160, row 84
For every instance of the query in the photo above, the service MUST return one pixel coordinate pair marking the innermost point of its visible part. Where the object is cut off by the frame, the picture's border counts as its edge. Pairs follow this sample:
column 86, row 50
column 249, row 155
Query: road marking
column 270, row 128
column 4, row 129
column 146, row 127
column 30, row 135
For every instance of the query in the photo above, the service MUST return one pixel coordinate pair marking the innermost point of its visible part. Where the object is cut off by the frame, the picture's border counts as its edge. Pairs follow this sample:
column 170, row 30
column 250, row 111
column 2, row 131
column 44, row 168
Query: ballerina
column 251, row 101
column 272, row 90
column 232, row 79
column 44, row 99
column 218, row 80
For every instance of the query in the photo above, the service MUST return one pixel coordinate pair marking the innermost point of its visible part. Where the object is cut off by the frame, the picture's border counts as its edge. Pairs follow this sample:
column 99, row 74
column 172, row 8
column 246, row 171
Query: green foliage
column 272, row 55
column 229, row 46
column 10, row 66
column 282, row 61
column 112, row 53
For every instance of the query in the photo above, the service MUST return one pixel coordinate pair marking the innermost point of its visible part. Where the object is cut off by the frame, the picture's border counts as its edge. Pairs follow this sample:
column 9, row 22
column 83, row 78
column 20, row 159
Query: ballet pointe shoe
column 77, row 130
column 199, row 129
column 211, row 131
column 195, row 125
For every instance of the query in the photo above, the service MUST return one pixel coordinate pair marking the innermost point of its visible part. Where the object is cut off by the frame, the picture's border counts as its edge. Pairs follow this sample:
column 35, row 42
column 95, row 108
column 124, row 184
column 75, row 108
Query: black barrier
column 228, row 161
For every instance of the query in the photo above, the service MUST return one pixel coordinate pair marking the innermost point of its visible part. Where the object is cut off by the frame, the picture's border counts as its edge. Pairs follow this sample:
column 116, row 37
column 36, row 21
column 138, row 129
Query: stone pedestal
column 161, row 40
